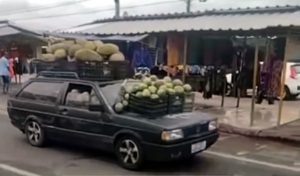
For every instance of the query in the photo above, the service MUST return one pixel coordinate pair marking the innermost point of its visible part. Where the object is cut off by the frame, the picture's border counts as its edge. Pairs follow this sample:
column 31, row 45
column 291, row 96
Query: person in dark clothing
column 159, row 71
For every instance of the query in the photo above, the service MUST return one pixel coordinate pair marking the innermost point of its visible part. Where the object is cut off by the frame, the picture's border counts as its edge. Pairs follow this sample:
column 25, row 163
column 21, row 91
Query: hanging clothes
column 270, row 79
column 142, row 58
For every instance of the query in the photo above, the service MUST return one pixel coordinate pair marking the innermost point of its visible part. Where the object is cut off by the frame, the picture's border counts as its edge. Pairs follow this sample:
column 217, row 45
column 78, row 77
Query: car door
column 37, row 99
column 82, row 125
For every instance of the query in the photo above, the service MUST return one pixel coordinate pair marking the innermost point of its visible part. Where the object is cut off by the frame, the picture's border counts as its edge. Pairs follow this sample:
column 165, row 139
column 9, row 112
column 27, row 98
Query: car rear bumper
column 156, row 152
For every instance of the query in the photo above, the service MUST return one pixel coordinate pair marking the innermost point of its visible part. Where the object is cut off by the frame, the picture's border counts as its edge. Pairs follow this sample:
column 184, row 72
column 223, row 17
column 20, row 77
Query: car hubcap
column 34, row 132
column 129, row 152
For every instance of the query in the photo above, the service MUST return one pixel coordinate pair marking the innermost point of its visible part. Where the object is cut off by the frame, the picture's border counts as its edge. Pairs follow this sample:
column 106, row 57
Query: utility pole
column 117, row 9
column 188, row 6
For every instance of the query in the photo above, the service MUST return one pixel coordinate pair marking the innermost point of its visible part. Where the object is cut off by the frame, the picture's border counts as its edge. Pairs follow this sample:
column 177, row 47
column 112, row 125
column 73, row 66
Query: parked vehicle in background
column 80, row 112
column 292, row 80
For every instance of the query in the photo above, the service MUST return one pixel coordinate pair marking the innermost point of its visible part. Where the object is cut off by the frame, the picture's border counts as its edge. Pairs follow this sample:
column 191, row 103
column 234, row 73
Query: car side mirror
column 98, row 108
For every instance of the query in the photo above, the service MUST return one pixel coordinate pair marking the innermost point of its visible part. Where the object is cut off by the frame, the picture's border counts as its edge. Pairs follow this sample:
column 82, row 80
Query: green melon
column 125, row 103
column 147, row 81
column 142, row 86
column 179, row 89
column 163, row 87
column 90, row 45
column 48, row 57
column 169, row 85
column 177, row 82
column 126, row 96
column 72, row 50
column 167, row 79
column 87, row 55
column 159, row 83
column 139, row 94
column 187, row 87
column 119, row 107
column 171, row 91
column 161, row 92
column 146, row 93
column 108, row 49
column 117, row 57
column 153, row 77
column 60, row 54
column 154, row 97
column 152, row 89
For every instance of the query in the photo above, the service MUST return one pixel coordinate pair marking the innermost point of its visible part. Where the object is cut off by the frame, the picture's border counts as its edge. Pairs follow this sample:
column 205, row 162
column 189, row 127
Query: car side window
column 81, row 96
column 46, row 92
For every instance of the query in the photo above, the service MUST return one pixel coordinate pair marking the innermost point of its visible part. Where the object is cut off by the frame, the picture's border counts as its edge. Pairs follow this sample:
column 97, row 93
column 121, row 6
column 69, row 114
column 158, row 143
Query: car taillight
column 293, row 73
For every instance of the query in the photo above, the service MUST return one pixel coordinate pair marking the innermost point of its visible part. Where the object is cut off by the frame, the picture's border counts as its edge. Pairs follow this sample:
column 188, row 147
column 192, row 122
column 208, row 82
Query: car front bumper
column 155, row 152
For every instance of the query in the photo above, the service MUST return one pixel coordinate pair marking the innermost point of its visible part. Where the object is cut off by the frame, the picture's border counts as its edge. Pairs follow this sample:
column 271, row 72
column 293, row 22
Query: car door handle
column 64, row 111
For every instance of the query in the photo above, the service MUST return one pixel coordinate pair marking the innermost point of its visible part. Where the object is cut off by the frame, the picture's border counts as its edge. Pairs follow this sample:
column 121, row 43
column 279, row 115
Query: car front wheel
column 35, row 133
column 129, row 153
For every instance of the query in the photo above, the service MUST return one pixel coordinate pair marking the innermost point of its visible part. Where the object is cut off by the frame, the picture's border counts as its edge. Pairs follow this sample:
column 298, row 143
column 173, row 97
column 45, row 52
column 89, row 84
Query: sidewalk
column 237, row 120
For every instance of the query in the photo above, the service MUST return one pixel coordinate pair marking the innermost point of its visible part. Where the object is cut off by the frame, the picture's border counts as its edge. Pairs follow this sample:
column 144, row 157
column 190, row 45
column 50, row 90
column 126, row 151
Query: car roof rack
column 57, row 74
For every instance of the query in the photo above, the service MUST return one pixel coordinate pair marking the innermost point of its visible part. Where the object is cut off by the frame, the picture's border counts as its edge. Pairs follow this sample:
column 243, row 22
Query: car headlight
column 172, row 135
column 212, row 125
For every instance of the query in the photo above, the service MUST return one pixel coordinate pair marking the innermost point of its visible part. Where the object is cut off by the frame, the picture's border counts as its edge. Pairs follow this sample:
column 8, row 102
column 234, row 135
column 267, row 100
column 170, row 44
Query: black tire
column 287, row 93
column 35, row 133
column 129, row 153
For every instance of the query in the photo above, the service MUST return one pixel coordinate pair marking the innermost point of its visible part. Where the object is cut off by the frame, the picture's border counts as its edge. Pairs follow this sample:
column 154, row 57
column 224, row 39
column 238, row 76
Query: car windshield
column 112, row 91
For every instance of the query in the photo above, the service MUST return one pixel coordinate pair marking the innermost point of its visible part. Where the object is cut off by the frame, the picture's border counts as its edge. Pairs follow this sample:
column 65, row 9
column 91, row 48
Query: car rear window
column 41, row 92
column 297, row 68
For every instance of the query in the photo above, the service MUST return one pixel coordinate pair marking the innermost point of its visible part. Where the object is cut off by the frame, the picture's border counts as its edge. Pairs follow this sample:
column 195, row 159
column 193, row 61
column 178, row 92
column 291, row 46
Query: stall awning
column 131, row 38
column 215, row 20
column 4, row 31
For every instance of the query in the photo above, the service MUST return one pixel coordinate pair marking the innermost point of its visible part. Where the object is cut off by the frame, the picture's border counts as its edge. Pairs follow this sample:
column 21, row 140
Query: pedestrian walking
column 4, row 72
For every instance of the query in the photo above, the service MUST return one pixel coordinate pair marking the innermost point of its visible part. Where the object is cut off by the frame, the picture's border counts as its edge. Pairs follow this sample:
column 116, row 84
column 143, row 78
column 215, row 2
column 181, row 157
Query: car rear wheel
column 287, row 94
column 35, row 133
column 129, row 153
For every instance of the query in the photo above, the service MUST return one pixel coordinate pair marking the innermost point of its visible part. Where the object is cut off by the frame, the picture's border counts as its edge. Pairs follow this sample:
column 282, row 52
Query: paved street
column 233, row 155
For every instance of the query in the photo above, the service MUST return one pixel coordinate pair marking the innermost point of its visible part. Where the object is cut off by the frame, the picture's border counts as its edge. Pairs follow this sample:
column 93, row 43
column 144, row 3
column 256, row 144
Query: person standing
column 4, row 72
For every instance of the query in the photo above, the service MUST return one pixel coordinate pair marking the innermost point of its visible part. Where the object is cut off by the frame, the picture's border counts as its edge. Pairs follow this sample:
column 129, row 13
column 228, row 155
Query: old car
column 80, row 112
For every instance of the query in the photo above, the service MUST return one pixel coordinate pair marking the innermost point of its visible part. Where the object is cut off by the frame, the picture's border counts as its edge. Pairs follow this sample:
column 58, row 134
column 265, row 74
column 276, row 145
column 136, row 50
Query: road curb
column 226, row 128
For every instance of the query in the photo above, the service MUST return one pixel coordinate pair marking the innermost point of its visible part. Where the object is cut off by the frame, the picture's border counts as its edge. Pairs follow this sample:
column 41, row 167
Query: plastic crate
column 175, row 104
column 189, row 101
column 148, row 106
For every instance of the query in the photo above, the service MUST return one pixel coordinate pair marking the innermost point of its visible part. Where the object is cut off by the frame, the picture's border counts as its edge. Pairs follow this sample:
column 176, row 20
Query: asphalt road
column 19, row 158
